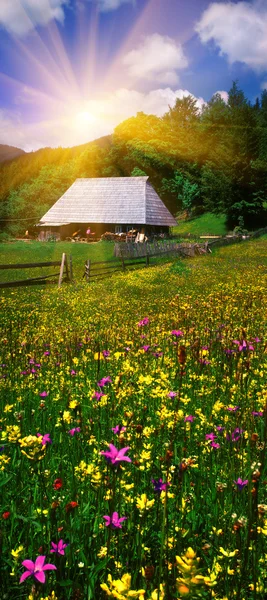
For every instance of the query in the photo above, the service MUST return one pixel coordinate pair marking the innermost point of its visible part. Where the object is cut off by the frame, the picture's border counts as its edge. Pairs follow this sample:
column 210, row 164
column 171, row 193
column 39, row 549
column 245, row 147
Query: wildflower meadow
column 133, row 434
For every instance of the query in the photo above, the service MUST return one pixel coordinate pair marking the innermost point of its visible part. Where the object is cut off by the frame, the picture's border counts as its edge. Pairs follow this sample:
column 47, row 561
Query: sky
column 71, row 70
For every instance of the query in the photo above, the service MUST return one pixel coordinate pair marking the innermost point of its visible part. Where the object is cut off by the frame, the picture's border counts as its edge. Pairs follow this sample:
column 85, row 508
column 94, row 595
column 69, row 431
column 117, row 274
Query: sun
column 84, row 117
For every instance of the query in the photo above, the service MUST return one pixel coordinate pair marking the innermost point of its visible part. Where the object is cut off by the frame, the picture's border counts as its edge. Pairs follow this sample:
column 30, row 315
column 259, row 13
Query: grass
column 170, row 364
column 33, row 251
column 207, row 224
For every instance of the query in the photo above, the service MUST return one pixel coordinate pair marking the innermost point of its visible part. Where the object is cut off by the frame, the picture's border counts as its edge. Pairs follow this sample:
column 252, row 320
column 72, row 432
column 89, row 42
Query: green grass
column 207, row 224
column 33, row 251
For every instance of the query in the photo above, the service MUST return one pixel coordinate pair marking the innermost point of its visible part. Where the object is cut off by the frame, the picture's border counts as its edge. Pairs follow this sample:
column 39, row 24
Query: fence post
column 61, row 269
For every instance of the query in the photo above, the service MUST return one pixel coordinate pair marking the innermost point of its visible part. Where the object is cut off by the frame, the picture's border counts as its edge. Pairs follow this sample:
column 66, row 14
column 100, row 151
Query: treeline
column 214, row 160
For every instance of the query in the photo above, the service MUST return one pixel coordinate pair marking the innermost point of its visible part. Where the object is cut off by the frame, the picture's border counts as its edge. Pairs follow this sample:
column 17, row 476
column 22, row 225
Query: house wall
column 97, row 229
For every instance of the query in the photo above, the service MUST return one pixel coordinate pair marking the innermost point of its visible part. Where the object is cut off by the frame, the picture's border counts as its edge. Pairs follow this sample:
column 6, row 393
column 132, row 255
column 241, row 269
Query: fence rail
column 65, row 273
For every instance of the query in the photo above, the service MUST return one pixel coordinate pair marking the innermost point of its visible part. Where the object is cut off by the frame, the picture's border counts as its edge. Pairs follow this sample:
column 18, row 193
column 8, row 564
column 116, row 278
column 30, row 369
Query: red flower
column 6, row 515
column 58, row 483
column 70, row 506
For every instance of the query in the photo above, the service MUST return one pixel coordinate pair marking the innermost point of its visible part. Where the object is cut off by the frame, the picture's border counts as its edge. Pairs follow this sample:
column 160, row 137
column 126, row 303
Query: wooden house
column 115, row 204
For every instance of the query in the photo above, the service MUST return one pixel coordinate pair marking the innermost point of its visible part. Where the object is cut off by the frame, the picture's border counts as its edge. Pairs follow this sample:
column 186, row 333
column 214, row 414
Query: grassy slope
column 32, row 251
column 207, row 224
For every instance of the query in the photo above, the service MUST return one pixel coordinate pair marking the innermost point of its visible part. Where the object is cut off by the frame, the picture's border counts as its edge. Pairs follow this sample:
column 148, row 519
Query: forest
column 213, row 160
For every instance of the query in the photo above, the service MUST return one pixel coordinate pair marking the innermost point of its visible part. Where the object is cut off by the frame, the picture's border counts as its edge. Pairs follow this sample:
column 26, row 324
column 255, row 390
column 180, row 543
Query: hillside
column 9, row 152
column 208, row 162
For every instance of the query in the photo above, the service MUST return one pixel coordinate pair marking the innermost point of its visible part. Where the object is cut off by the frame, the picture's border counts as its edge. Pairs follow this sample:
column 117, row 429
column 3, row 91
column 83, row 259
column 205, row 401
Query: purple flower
column 58, row 548
column 97, row 396
column 256, row 339
column 115, row 456
column 106, row 353
column 235, row 436
column 118, row 429
column 73, row 372
column 159, row 486
column 210, row 436
column 145, row 348
column 104, row 381
column 47, row 353
column 219, row 428
column 143, row 322
column 114, row 521
column 43, row 394
column 215, row 445
column 257, row 414
column 36, row 569
column 240, row 483
column 233, row 408
column 74, row 430
column 177, row 332
column 189, row 419
column 172, row 394
column 45, row 438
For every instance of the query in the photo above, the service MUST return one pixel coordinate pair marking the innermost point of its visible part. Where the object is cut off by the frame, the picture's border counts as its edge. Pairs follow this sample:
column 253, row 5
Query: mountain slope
column 9, row 152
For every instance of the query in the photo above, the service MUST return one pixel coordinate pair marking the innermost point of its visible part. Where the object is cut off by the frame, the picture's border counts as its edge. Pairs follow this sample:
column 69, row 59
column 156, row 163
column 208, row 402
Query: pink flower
column 58, row 548
column 240, row 483
column 114, row 521
column 177, row 332
column 115, row 456
column 143, row 322
column 45, row 438
column 74, row 430
column 36, row 569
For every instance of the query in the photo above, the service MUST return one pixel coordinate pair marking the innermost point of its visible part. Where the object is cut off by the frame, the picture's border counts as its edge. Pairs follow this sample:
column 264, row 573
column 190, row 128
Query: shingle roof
column 117, row 200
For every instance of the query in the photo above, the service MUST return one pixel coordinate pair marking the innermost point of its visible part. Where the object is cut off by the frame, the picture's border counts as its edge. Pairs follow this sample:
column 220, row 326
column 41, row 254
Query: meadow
column 133, row 434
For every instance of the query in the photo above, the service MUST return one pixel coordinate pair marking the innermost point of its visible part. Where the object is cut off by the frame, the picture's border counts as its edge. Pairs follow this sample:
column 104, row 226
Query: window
column 118, row 228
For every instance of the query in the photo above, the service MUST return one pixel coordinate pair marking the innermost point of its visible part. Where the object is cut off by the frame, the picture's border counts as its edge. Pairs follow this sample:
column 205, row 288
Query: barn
column 115, row 204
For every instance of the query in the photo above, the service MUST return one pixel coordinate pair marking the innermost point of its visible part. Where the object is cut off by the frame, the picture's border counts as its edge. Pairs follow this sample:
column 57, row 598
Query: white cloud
column 224, row 95
column 264, row 85
column 158, row 58
column 21, row 16
column 108, row 5
column 78, row 124
column 239, row 30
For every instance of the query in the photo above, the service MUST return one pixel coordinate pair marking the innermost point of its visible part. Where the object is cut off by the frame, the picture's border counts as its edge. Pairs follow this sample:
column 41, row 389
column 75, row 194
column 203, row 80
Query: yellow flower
column 120, row 588
column 34, row 448
column 16, row 553
column 143, row 503
column 228, row 554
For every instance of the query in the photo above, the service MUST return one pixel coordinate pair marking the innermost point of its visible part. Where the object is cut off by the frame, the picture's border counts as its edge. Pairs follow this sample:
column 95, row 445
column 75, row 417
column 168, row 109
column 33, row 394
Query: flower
column 43, row 394
column 45, row 438
column 97, row 396
column 143, row 322
column 58, row 483
column 118, row 429
column 177, row 333
column 104, row 381
column 115, row 456
column 74, row 430
column 58, row 548
column 6, row 515
column 36, row 569
column 172, row 394
column 189, row 419
column 210, row 436
column 142, row 502
column 114, row 521
column 159, row 486
column 121, row 588
column 70, row 506
column 240, row 483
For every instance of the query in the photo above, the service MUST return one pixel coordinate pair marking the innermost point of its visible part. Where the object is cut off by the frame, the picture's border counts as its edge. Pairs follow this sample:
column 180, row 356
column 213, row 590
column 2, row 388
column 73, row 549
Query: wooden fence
column 64, row 274
column 129, row 256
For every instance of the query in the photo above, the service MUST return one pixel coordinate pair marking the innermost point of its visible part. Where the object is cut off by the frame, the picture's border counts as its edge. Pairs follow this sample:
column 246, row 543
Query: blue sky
column 71, row 70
